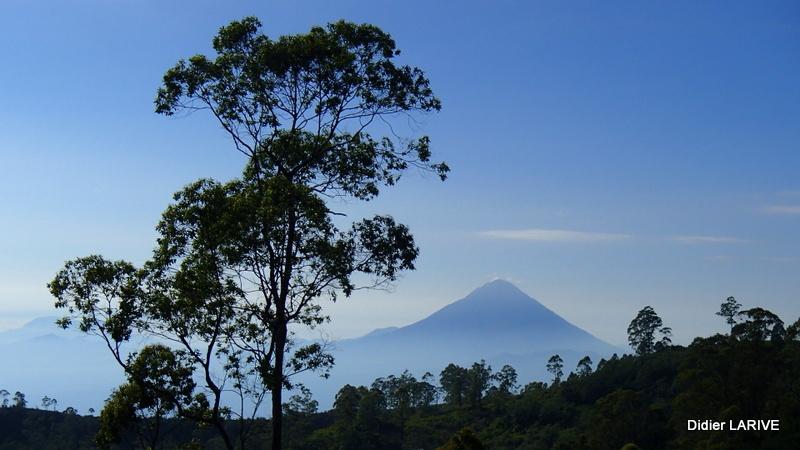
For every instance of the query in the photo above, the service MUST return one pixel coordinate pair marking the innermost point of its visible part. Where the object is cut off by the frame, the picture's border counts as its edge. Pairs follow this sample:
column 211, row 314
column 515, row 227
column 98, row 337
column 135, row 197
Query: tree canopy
column 642, row 332
column 238, row 262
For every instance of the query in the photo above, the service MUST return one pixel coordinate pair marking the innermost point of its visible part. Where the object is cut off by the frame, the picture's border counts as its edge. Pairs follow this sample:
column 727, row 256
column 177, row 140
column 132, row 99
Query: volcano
column 496, row 322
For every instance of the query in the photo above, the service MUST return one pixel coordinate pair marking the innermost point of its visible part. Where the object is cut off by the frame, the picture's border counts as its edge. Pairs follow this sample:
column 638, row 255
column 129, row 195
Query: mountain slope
column 497, row 313
column 496, row 322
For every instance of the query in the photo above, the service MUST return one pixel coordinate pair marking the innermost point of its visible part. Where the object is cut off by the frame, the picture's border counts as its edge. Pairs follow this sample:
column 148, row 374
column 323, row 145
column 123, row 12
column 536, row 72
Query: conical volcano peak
column 493, row 316
column 496, row 304
column 496, row 322
column 498, row 286
column 498, row 290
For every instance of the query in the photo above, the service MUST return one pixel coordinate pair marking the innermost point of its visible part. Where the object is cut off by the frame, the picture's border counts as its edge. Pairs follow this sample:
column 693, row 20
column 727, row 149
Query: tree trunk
column 281, row 333
column 277, row 390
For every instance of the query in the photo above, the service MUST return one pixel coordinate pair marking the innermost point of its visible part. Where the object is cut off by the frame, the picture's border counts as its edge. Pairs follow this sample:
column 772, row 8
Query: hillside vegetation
column 643, row 399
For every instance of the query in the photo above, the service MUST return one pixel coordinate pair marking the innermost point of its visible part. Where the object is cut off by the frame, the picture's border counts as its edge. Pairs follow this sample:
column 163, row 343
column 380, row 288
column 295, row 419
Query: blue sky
column 605, row 155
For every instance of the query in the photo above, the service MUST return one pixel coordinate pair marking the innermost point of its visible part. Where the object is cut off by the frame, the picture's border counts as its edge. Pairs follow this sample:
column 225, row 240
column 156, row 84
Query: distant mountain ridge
column 496, row 322
column 498, row 308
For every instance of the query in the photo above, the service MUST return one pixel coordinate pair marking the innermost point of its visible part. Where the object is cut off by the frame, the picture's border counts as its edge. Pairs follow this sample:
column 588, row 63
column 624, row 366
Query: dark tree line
column 641, row 400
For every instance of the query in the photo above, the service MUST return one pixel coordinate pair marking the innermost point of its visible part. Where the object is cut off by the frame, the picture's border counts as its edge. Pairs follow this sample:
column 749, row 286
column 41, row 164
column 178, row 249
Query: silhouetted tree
column 369, row 420
column 506, row 379
column 49, row 403
column 262, row 251
column 555, row 366
column 642, row 332
column 729, row 309
column 666, row 339
column 453, row 380
column 159, row 384
column 793, row 330
column 425, row 392
column 358, row 418
column 19, row 400
column 300, row 411
column 302, row 403
column 345, row 407
column 479, row 378
column 4, row 394
column 584, row 366
column 400, row 394
column 759, row 324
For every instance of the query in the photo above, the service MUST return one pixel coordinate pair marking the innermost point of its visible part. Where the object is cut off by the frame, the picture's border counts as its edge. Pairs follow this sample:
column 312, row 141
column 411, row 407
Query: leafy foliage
column 633, row 401
column 729, row 309
column 642, row 332
column 555, row 366
column 237, row 263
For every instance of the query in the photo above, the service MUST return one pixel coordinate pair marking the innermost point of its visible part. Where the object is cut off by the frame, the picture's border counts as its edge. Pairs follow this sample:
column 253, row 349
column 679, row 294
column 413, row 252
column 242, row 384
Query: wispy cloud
column 553, row 235
column 708, row 240
column 782, row 209
column 720, row 258
column 783, row 259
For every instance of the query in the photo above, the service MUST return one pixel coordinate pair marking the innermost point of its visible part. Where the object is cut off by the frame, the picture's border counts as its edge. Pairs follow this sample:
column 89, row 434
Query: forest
column 640, row 400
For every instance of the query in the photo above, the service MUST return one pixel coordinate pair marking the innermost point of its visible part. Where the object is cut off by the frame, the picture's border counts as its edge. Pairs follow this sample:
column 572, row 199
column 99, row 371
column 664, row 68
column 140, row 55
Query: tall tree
column 642, row 332
column 112, row 299
column 453, row 380
column 302, row 403
column 506, row 380
column 300, row 108
column 584, row 366
column 729, row 310
column 759, row 324
column 4, row 394
column 792, row 331
column 238, row 263
column 479, row 378
column 19, row 400
column 555, row 365
column 399, row 394
column 48, row 403
column 159, row 384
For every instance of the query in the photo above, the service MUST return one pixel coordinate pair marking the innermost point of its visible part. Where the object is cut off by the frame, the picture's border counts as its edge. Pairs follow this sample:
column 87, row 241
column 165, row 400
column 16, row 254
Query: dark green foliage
column 584, row 366
column 19, row 400
column 159, row 386
column 793, row 331
column 23, row 428
column 453, row 380
column 361, row 421
column 4, row 395
column 506, row 380
column 642, row 332
column 759, row 324
column 479, row 379
column 238, row 263
column 464, row 440
column 628, row 402
column 729, row 309
column 555, row 366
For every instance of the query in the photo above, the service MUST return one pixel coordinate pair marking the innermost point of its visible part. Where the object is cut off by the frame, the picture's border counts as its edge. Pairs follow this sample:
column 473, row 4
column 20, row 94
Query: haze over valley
column 496, row 322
